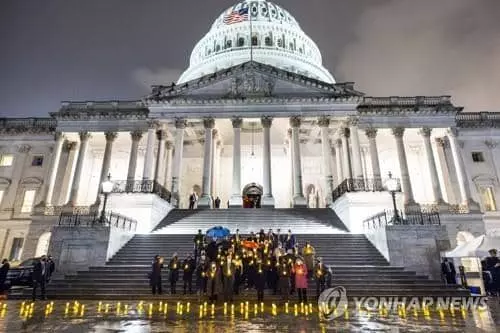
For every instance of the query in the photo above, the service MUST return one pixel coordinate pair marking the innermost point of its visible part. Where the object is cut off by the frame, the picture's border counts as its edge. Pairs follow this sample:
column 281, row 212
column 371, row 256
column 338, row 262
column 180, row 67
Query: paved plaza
column 113, row 316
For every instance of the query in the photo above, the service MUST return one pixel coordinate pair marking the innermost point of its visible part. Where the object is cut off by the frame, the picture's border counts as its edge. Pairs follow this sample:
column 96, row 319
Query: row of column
column 347, row 166
column 153, row 169
column 344, row 160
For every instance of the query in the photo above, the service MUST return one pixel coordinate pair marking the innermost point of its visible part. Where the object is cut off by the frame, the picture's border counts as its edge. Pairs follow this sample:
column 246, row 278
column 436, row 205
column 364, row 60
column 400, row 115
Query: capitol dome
column 277, row 40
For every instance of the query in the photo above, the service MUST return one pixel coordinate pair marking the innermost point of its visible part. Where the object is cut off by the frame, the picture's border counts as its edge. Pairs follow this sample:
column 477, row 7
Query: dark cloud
column 57, row 50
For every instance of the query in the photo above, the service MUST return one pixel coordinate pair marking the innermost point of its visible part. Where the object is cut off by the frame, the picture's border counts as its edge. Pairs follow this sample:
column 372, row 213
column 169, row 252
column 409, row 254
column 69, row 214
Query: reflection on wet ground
column 133, row 317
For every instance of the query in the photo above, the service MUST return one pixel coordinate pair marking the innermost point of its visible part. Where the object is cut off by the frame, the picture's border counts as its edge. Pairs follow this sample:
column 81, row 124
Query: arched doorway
column 252, row 195
column 42, row 246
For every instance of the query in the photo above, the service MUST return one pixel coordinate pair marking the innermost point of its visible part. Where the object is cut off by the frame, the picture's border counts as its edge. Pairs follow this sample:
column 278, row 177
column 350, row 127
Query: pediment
column 252, row 80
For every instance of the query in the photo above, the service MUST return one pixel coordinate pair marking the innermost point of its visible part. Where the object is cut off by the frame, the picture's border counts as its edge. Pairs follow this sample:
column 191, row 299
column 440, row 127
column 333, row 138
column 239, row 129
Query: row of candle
column 77, row 309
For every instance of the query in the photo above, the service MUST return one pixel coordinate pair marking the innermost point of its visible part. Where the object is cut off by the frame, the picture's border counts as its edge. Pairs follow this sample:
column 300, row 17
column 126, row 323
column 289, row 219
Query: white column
column 84, row 143
column 160, row 158
column 180, row 125
column 213, row 156
column 465, row 196
column 236, row 200
column 206, row 200
column 371, row 133
column 398, row 133
column 106, row 161
column 298, row 195
column 147, row 173
column 169, row 147
column 333, row 163
column 339, row 161
column 357, row 168
column 346, row 167
column 135, row 137
column 324, row 124
column 290, row 160
column 9, row 199
column 267, row 198
column 59, row 137
column 436, row 187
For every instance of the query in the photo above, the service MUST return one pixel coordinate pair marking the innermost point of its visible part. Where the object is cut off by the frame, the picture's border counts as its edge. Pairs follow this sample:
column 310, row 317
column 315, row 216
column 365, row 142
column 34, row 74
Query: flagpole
column 251, row 35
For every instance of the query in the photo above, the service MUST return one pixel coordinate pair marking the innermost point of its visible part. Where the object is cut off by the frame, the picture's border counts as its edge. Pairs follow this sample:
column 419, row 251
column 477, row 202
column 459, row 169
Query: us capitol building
column 254, row 117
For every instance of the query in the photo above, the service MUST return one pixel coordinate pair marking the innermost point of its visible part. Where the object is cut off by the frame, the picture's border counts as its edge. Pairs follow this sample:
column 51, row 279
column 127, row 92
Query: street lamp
column 392, row 186
column 107, row 188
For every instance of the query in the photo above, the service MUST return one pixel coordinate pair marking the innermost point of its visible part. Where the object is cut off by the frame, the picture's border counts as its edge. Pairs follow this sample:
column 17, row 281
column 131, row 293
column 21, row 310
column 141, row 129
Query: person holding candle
column 155, row 275
column 320, row 274
column 214, row 281
column 228, row 274
column 308, row 252
column 260, row 279
column 188, row 267
column 300, row 270
column 289, row 240
column 284, row 278
column 173, row 267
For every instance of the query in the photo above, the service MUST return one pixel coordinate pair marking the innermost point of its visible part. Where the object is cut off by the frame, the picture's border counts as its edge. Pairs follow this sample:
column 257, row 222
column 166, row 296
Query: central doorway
column 252, row 195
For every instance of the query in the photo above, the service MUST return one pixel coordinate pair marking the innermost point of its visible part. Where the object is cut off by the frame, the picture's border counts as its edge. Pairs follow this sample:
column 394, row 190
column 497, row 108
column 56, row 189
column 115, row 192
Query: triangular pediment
column 252, row 80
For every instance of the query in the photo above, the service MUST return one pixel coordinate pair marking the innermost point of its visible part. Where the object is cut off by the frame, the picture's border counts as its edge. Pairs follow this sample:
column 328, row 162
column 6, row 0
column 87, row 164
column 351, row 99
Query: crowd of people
column 220, row 268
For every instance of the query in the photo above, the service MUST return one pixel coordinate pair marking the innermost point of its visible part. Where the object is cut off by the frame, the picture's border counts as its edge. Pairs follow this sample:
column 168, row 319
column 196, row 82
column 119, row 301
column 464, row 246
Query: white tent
column 478, row 247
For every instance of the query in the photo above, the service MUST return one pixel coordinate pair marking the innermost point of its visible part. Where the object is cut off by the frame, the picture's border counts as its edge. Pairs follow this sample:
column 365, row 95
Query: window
column 241, row 42
column 16, row 249
column 477, row 156
column 37, row 160
column 488, row 198
column 6, row 160
column 217, row 48
column 268, row 41
column 229, row 44
column 28, row 201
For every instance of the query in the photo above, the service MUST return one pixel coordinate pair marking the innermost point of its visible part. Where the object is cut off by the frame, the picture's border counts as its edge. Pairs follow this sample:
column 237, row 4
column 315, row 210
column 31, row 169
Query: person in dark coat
column 448, row 271
column 192, row 200
column 212, row 251
column 51, row 267
column 289, row 240
column 155, row 275
column 228, row 271
column 39, row 276
column 199, row 243
column 188, row 267
column 284, row 279
column 214, row 281
column 201, row 276
column 260, row 280
column 4, row 270
column 493, row 266
column 217, row 203
column 320, row 274
column 173, row 276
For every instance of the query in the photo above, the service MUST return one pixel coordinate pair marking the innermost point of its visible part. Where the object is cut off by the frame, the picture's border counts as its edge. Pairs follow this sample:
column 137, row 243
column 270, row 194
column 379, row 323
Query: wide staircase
column 356, row 263
column 301, row 220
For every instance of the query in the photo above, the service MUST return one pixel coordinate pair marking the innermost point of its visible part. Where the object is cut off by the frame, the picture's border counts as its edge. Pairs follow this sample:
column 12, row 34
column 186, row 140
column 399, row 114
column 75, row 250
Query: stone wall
column 147, row 209
column 418, row 248
column 415, row 247
column 78, row 248
column 354, row 207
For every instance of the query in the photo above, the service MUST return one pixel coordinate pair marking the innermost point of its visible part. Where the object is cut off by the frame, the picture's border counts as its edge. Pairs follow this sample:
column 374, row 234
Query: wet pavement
column 134, row 317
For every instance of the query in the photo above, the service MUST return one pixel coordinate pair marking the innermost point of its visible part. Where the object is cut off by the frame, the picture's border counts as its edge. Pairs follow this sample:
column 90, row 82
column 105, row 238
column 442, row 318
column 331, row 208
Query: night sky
column 56, row 50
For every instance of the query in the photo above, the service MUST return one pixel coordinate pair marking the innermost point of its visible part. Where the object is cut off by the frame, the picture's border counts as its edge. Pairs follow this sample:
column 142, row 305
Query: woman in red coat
column 300, row 271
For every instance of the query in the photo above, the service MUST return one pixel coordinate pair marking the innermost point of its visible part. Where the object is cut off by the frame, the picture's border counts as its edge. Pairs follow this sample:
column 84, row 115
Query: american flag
column 236, row 16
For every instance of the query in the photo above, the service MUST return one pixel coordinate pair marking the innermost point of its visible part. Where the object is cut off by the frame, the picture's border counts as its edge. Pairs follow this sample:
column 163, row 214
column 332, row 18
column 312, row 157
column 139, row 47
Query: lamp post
column 107, row 188
column 392, row 186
